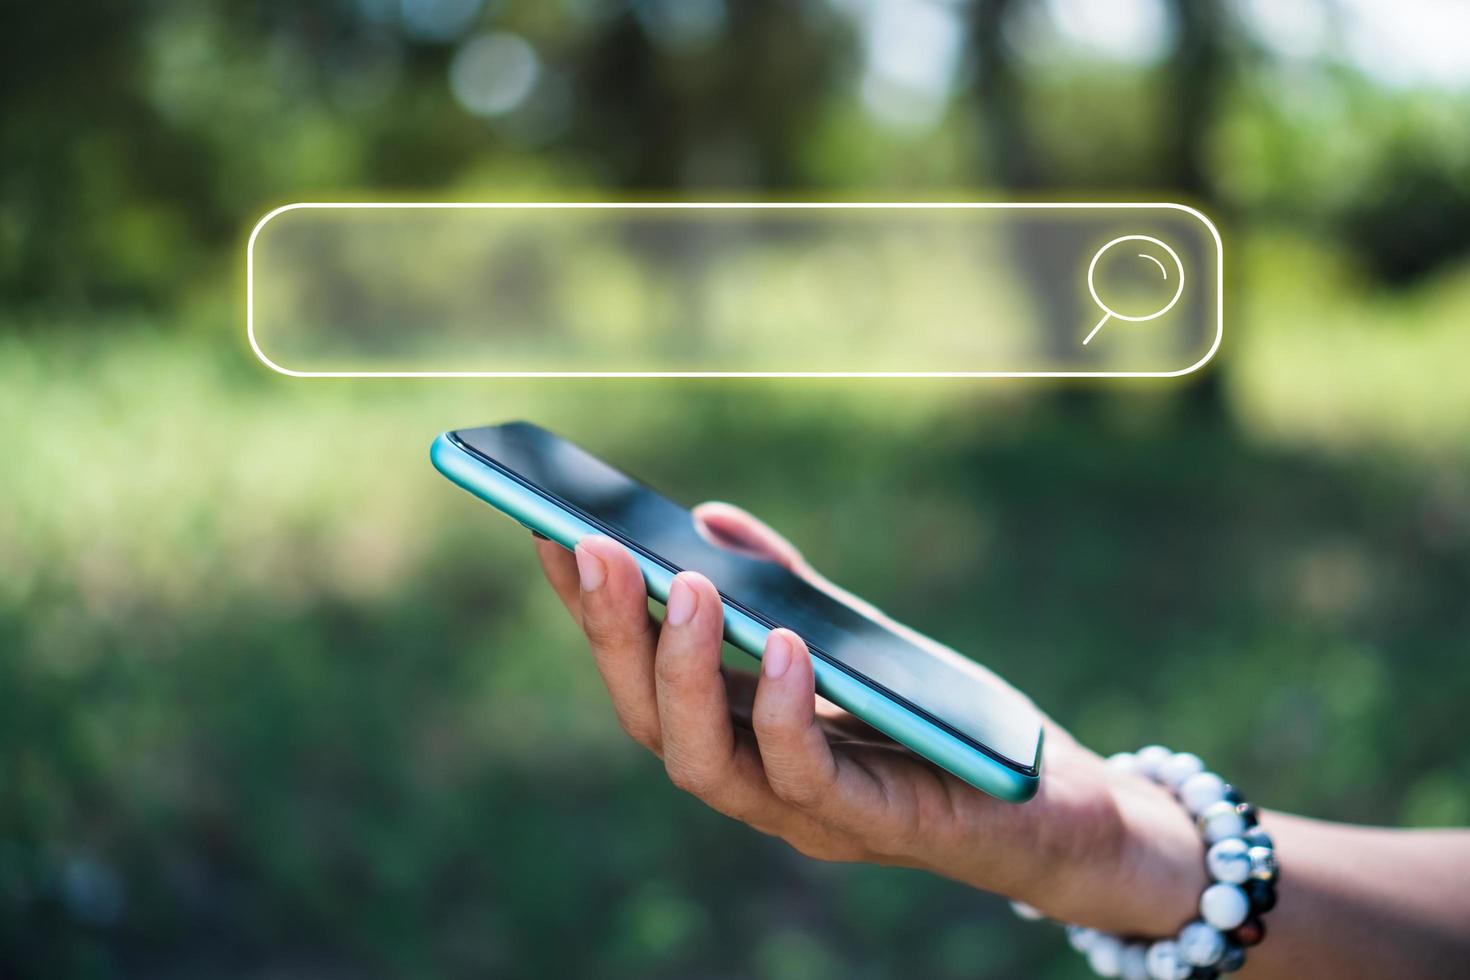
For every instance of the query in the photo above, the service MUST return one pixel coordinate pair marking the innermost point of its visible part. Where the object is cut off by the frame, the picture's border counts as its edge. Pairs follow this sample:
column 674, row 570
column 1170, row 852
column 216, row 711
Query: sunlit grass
column 1316, row 358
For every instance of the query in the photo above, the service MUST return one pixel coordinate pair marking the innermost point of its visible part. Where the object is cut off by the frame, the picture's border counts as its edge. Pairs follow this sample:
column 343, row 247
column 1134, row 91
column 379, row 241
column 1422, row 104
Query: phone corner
column 1028, row 783
column 1024, row 788
column 441, row 450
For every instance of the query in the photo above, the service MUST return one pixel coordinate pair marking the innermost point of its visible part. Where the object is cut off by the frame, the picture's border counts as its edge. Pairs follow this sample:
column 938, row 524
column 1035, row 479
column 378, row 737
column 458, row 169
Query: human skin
column 1097, row 846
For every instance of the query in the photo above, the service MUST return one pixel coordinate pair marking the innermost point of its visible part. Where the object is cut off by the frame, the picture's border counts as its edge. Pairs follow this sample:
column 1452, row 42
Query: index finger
column 615, row 619
column 560, row 567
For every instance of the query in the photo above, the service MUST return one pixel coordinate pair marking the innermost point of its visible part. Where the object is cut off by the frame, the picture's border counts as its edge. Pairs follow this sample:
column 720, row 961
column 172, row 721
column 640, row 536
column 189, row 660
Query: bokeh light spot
column 494, row 73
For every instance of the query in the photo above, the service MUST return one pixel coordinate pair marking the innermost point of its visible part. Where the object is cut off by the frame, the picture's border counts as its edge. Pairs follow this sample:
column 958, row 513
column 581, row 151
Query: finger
column 840, row 725
column 703, row 752
column 800, row 764
column 615, row 618
column 560, row 567
column 694, row 711
column 740, row 690
column 733, row 528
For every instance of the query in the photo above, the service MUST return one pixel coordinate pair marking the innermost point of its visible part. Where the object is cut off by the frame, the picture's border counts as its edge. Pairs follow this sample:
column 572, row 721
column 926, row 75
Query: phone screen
column 949, row 690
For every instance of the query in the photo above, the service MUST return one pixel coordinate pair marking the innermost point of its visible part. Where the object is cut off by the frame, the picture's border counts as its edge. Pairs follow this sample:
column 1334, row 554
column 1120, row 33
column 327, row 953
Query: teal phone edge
column 552, row 519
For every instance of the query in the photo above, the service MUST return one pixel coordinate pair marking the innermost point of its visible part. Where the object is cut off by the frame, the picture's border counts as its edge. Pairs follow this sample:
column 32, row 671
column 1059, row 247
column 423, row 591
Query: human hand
column 1096, row 846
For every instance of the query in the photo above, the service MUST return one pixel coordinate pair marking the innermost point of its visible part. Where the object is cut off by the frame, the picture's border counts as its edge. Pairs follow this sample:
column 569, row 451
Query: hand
column 1095, row 846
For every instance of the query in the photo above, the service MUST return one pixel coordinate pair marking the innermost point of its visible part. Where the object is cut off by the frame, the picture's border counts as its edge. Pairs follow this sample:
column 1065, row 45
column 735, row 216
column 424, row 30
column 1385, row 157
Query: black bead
column 1204, row 973
column 1232, row 959
column 1232, row 796
column 1256, row 837
column 1262, row 895
column 1248, row 813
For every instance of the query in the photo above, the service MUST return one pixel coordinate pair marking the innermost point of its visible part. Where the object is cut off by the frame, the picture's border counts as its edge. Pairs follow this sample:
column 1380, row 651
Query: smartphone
column 920, row 694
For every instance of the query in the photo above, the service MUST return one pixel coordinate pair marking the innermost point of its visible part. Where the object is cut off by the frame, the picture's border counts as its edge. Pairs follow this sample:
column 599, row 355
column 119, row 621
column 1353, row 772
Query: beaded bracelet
column 1242, row 864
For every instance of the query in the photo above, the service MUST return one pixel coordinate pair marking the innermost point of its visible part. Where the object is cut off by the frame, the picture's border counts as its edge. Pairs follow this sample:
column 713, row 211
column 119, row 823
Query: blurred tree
column 1415, row 216
column 1012, row 160
column 657, row 110
column 78, row 146
column 1193, row 79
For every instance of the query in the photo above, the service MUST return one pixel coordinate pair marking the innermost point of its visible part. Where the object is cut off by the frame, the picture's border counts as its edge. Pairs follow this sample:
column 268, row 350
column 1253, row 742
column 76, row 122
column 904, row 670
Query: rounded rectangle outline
column 733, row 205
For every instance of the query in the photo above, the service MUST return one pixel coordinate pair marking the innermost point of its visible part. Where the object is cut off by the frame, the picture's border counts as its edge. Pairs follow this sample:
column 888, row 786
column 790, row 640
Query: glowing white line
column 1162, row 271
column 1088, row 339
column 726, row 205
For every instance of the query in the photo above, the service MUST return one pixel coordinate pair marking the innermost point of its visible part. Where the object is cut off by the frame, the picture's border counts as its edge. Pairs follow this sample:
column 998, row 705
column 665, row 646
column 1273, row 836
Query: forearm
column 1366, row 902
column 1352, row 901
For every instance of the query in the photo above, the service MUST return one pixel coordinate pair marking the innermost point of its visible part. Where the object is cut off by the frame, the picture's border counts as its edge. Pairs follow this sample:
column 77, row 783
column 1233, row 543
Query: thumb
column 737, row 530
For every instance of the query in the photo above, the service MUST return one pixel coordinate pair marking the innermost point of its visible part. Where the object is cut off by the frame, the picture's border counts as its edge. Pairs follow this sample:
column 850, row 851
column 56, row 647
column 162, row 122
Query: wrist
column 1127, row 861
column 1240, row 885
column 1161, row 869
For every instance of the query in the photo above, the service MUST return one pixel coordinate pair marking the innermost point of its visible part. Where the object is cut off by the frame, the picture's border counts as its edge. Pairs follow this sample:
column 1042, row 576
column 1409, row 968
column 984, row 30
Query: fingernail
column 590, row 569
column 777, row 656
column 682, row 603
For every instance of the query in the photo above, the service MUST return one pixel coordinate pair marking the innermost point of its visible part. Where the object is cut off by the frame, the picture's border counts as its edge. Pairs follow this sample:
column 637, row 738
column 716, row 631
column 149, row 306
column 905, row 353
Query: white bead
column 1179, row 767
column 1201, row 944
column 1164, row 962
column 1224, row 906
column 1081, row 938
column 1201, row 790
column 1027, row 912
column 1219, row 821
column 1150, row 758
column 1133, row 964
column 1106, row 955
column 1263, row 863
column 1123, row 762
column 1229, row 861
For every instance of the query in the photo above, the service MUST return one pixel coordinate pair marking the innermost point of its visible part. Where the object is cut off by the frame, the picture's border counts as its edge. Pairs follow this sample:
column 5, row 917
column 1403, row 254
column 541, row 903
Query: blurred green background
column 277, row 701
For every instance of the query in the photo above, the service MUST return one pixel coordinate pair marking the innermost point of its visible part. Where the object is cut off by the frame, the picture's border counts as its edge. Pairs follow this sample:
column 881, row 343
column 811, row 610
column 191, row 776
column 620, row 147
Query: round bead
column 1027, row 912
column 1200, row 944
column 1151, row 758
column 1133, row 965
column 1200, row 790
column 1263, row 863
column 1232, row 959
column 1164, row 963
column 1179, row 767
column 1233, row 795
column 1218, row 821
column 1106, row 955
column 1124, row 762
column 1081, row 938
column 1262, row 896
column 1256, row 837
column 1248, row 933
column 1229, row 861
column 1224, row 906
column 1249, row 813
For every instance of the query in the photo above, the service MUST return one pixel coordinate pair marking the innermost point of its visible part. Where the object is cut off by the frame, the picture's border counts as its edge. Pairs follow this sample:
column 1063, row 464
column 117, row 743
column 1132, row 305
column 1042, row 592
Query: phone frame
column 541, row 511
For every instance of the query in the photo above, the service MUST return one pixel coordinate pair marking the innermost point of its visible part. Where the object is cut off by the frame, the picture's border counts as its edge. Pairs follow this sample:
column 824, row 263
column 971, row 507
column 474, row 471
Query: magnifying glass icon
column 1111, row 314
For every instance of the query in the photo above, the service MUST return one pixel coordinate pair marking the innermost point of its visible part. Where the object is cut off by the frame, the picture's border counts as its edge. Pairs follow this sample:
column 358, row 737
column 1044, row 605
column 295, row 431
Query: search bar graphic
column 768, row 289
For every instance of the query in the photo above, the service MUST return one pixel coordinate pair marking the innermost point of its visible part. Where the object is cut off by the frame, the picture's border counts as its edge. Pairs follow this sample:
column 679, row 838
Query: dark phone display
column 952, row 691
